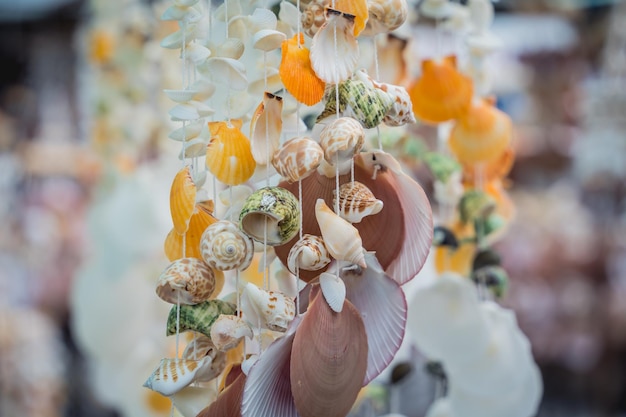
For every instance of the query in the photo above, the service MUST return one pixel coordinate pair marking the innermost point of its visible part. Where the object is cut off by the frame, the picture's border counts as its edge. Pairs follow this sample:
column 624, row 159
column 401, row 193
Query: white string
column 177, row 323
column 299, row 28
column 300, row 237
column 337, row 198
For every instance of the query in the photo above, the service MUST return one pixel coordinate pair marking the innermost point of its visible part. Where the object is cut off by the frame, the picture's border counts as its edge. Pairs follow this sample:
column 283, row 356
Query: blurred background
column 561, row 76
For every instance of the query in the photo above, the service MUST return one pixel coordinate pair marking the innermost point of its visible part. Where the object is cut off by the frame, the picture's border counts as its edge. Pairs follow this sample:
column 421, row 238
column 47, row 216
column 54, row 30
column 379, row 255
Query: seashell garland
column 357, row 201
column 225, row 247
column 189, row 281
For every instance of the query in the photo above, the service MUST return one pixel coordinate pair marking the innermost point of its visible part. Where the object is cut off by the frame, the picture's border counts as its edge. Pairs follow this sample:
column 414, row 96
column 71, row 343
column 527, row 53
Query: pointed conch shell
column 297, row 158
column 172, row 375
column 442, row 92
column 201, row 347
column 189, row 281
column 182, row 199
column 297, row 73
column 224, row 247
column 198, row 318
column 308, row 253
column 227, row 331
column 174, row 246
column 385, row 16
column 270, row 309
column 271, row 215
column 341, row 238
column 265, row 128
column 357, row 201
column 342, row 139
column 335, row 61
column 229, row 155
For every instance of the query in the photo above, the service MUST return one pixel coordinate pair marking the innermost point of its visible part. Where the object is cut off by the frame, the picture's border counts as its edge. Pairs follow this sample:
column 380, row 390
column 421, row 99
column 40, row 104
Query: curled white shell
column 214, row 361
column 180, row 96
column 265, row 128
column 224, row 247
column 341, row 238
column 269, row 309
column 187, row 132
column 357, row 201
column 193, row 148
column 268, row 39
column 297, row 158
column 385, row 16
column 342, row 139
column 228, row 330
column 308, row 253
column 188, row 281
column 333, row 290
column 331, row 171
column 172, row 375
column 197, row 53
column 176, row 39
column 226, row 70
column 231, row 48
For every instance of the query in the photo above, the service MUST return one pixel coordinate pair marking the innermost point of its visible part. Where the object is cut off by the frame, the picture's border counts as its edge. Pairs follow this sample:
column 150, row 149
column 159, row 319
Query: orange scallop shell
column 173, row 246
column 497, row 168
column 358, row 9
column 481, row 134
column 229, row 153
column 297, row 73
column 182, row 200
column 442, row 93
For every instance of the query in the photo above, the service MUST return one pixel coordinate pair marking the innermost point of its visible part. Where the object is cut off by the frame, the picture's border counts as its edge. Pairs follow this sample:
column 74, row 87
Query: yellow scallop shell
column 229, row 154
column 173, row 246
column 297, row 73
column 182, row 200
column 356, row 8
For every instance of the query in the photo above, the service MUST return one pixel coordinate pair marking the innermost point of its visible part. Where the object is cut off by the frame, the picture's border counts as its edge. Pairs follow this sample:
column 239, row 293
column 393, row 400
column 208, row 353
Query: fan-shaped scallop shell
column 182, row 200
column 385, row 16
column 342, row 139
column 174, row 246
column 341, row 238
column 189, row 281
column 201, row 347
column 308, row 253
column 224, row 247
column 356, row 8
column 227, row 331
column 172, row 375
column 199, row 317
column 357, row 201
column 297, row 73
column 270, row 309
column 229, row 154
column 297, row 158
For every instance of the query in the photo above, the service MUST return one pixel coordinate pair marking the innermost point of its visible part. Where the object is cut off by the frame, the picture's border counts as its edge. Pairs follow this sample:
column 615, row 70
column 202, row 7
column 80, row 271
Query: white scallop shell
column 186, row 132
column 175, row 40
column 262, row 19
column 205, row 89
column 193, row 148
column 226, row 70
column 289, row 14
column 231, row 48
column 228, row 330
column 268, row 309
column 180, row 96
column 268, row 39
column 308, row 253
column 341, row 238
column 333, row 290
column 197, row 53
column 224, row 247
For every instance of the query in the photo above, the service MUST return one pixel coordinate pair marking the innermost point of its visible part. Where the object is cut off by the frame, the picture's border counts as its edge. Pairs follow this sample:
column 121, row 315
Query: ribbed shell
column 182, row 200
column 356, row 8
column 189, row 281
column 297, row 73
column 199, row 317
column 200, row 220
column 266, row 127
column 328, row 359
column 297, row 158
column 225, row 247
column 341, row 238
column 309, row 254
column 228, row 403
column 172, row 375
column 341, row 139
column 357, row 201
column 229, row 154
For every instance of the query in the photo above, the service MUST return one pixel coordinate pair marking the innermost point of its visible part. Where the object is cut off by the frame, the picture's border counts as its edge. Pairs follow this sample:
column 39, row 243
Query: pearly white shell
column 269, row 309
column 172, row 375
column 308, row 253
column 333, row 290
column 228, row 330
column 341, row 238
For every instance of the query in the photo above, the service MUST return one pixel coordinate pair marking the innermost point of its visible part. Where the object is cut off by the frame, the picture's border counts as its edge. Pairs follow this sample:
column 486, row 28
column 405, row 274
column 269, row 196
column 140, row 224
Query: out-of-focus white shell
column 172, row 375
column 176, row 39
column 197, row 53
column 308, row 253
column 385, row 16
column 341, row 238
column 297, row 158
column 228, row 330
column 342, row 139
column 232, row 48
column 224, row 247
column 357, row 201
column 268, row 39
column 331, row 171
column 187, row 132
column 180, row 96
column 226, row 70
column 268, row 309
column 194, row 148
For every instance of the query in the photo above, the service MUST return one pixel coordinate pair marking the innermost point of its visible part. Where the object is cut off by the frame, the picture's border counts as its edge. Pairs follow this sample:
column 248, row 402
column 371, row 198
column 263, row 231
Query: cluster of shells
column 347, row 225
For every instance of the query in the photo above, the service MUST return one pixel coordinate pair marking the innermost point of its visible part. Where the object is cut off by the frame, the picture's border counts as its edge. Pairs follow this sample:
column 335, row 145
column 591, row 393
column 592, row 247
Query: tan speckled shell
column 385, row 16
column 190, row 281
column 202, row 347
column 342, row 139
column 270, row 309
column 172, row 375
column 308, row 253
column 297, row 158
column 357, row 201
column 312, row 17
column 228, row 330
column 225, row 247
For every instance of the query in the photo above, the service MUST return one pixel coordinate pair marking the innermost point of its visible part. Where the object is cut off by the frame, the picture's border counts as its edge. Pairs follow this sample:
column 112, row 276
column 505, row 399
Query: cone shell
column 335, row 53
column 357, row 201
column 481, row 135
column 356, row 8
column 266, row 127
column 189, row 281
column 224, row 247
column 385, row 16
column 172, row 375
column 297, row 73
column 201, row 347
column 182, row 200
column 229, row 155
column 200, row 220
column 441, row 93
column 270, row 215
column 309, row 253
column 341, row 238
column 270, row 309
column 342, row 139
column 297, row 158
column 328, row 360
column 198, row 318
column 227, row 331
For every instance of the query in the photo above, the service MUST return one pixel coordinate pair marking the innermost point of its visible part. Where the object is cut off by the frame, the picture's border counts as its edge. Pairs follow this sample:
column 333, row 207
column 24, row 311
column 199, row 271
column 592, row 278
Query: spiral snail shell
column 224, row 247
column 357, row 201
column 189, row 281
column 308, row 253
column 341, row 139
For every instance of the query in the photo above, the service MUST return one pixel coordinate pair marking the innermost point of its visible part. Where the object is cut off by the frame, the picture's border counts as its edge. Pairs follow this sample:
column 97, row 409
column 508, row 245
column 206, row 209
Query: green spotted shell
column 475, row 205
column 359, row 100
column 271, row 214
column 199, row 317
